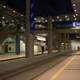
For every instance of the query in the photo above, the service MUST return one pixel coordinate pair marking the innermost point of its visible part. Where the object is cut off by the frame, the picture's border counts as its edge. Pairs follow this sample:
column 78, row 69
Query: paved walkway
column 10, row 56
column 7, row 56
column 69, row 71
column 46, row 69
column 62, row 67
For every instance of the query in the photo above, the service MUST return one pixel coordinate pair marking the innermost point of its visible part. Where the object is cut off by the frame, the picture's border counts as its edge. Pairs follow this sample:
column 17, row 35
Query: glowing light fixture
column 14, row 11
column 74, row 5
column 74, row 15
column 41, row 38
column 60, row 19
column 0, row 22
column 57, row 17
column 21, row 15
column 4, row 6
column 3, row 17
column 68, row 19
column 35, row 19
column 66, row 16
column 75, row 19
column 46, row 21
column 39, row 21
column 53, row 20
column 75, row 10
column 42, row 18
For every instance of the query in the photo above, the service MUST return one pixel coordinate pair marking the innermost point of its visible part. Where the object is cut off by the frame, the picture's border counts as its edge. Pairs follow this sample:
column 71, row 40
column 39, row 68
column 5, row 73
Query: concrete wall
column 75, row 44
column 13, row 49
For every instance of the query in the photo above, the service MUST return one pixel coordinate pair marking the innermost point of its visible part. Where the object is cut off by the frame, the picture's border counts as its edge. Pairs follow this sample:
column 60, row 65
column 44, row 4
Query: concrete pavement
column 42, row 71
column 70, row 70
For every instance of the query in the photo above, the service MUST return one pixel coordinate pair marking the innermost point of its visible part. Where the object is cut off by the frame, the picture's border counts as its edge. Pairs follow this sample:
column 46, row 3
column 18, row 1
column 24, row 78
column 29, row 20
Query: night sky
column 43, row 7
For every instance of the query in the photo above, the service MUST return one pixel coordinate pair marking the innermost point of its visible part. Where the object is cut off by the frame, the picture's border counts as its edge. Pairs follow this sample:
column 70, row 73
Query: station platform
column 69, row 69
column 62, row 67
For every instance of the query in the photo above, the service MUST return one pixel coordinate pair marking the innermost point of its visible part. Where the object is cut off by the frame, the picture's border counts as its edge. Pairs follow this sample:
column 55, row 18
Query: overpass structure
column 51, row 39
column 15, row 24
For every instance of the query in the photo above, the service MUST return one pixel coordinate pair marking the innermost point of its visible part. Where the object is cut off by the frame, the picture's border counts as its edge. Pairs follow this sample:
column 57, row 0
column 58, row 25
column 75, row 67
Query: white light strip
column 41, row 38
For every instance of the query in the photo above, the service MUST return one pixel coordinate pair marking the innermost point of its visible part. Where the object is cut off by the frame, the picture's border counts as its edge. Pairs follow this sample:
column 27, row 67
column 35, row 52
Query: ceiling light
column 4, row 6
column 60, row 19
column 46, row 21
column 21, row 15
column 75, row 10
column 41, row 38
column 74, row 4
column 3, row 17
column 35, row 19
column 14, row 11
column 66, row 16
column 42, row 18
column 0, row 22
column 57, row 17
column 39, row 21
column 75, row 19
column 68, row 19
column 74, row 15
column 53, row 20
column 12, row 20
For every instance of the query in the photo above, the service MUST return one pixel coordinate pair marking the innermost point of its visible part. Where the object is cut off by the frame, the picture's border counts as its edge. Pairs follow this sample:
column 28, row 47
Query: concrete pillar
column 29, row 45
column 59, row 42
column 54, row 35
column 29, row 41
column 0, row 48
column 17, row 44
column 50, row 35
column 65, row 40
column 69, row 41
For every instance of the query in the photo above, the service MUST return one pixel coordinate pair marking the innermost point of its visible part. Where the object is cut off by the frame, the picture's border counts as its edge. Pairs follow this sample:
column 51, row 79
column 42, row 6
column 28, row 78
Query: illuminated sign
column 76, row 24
column 67, row 24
